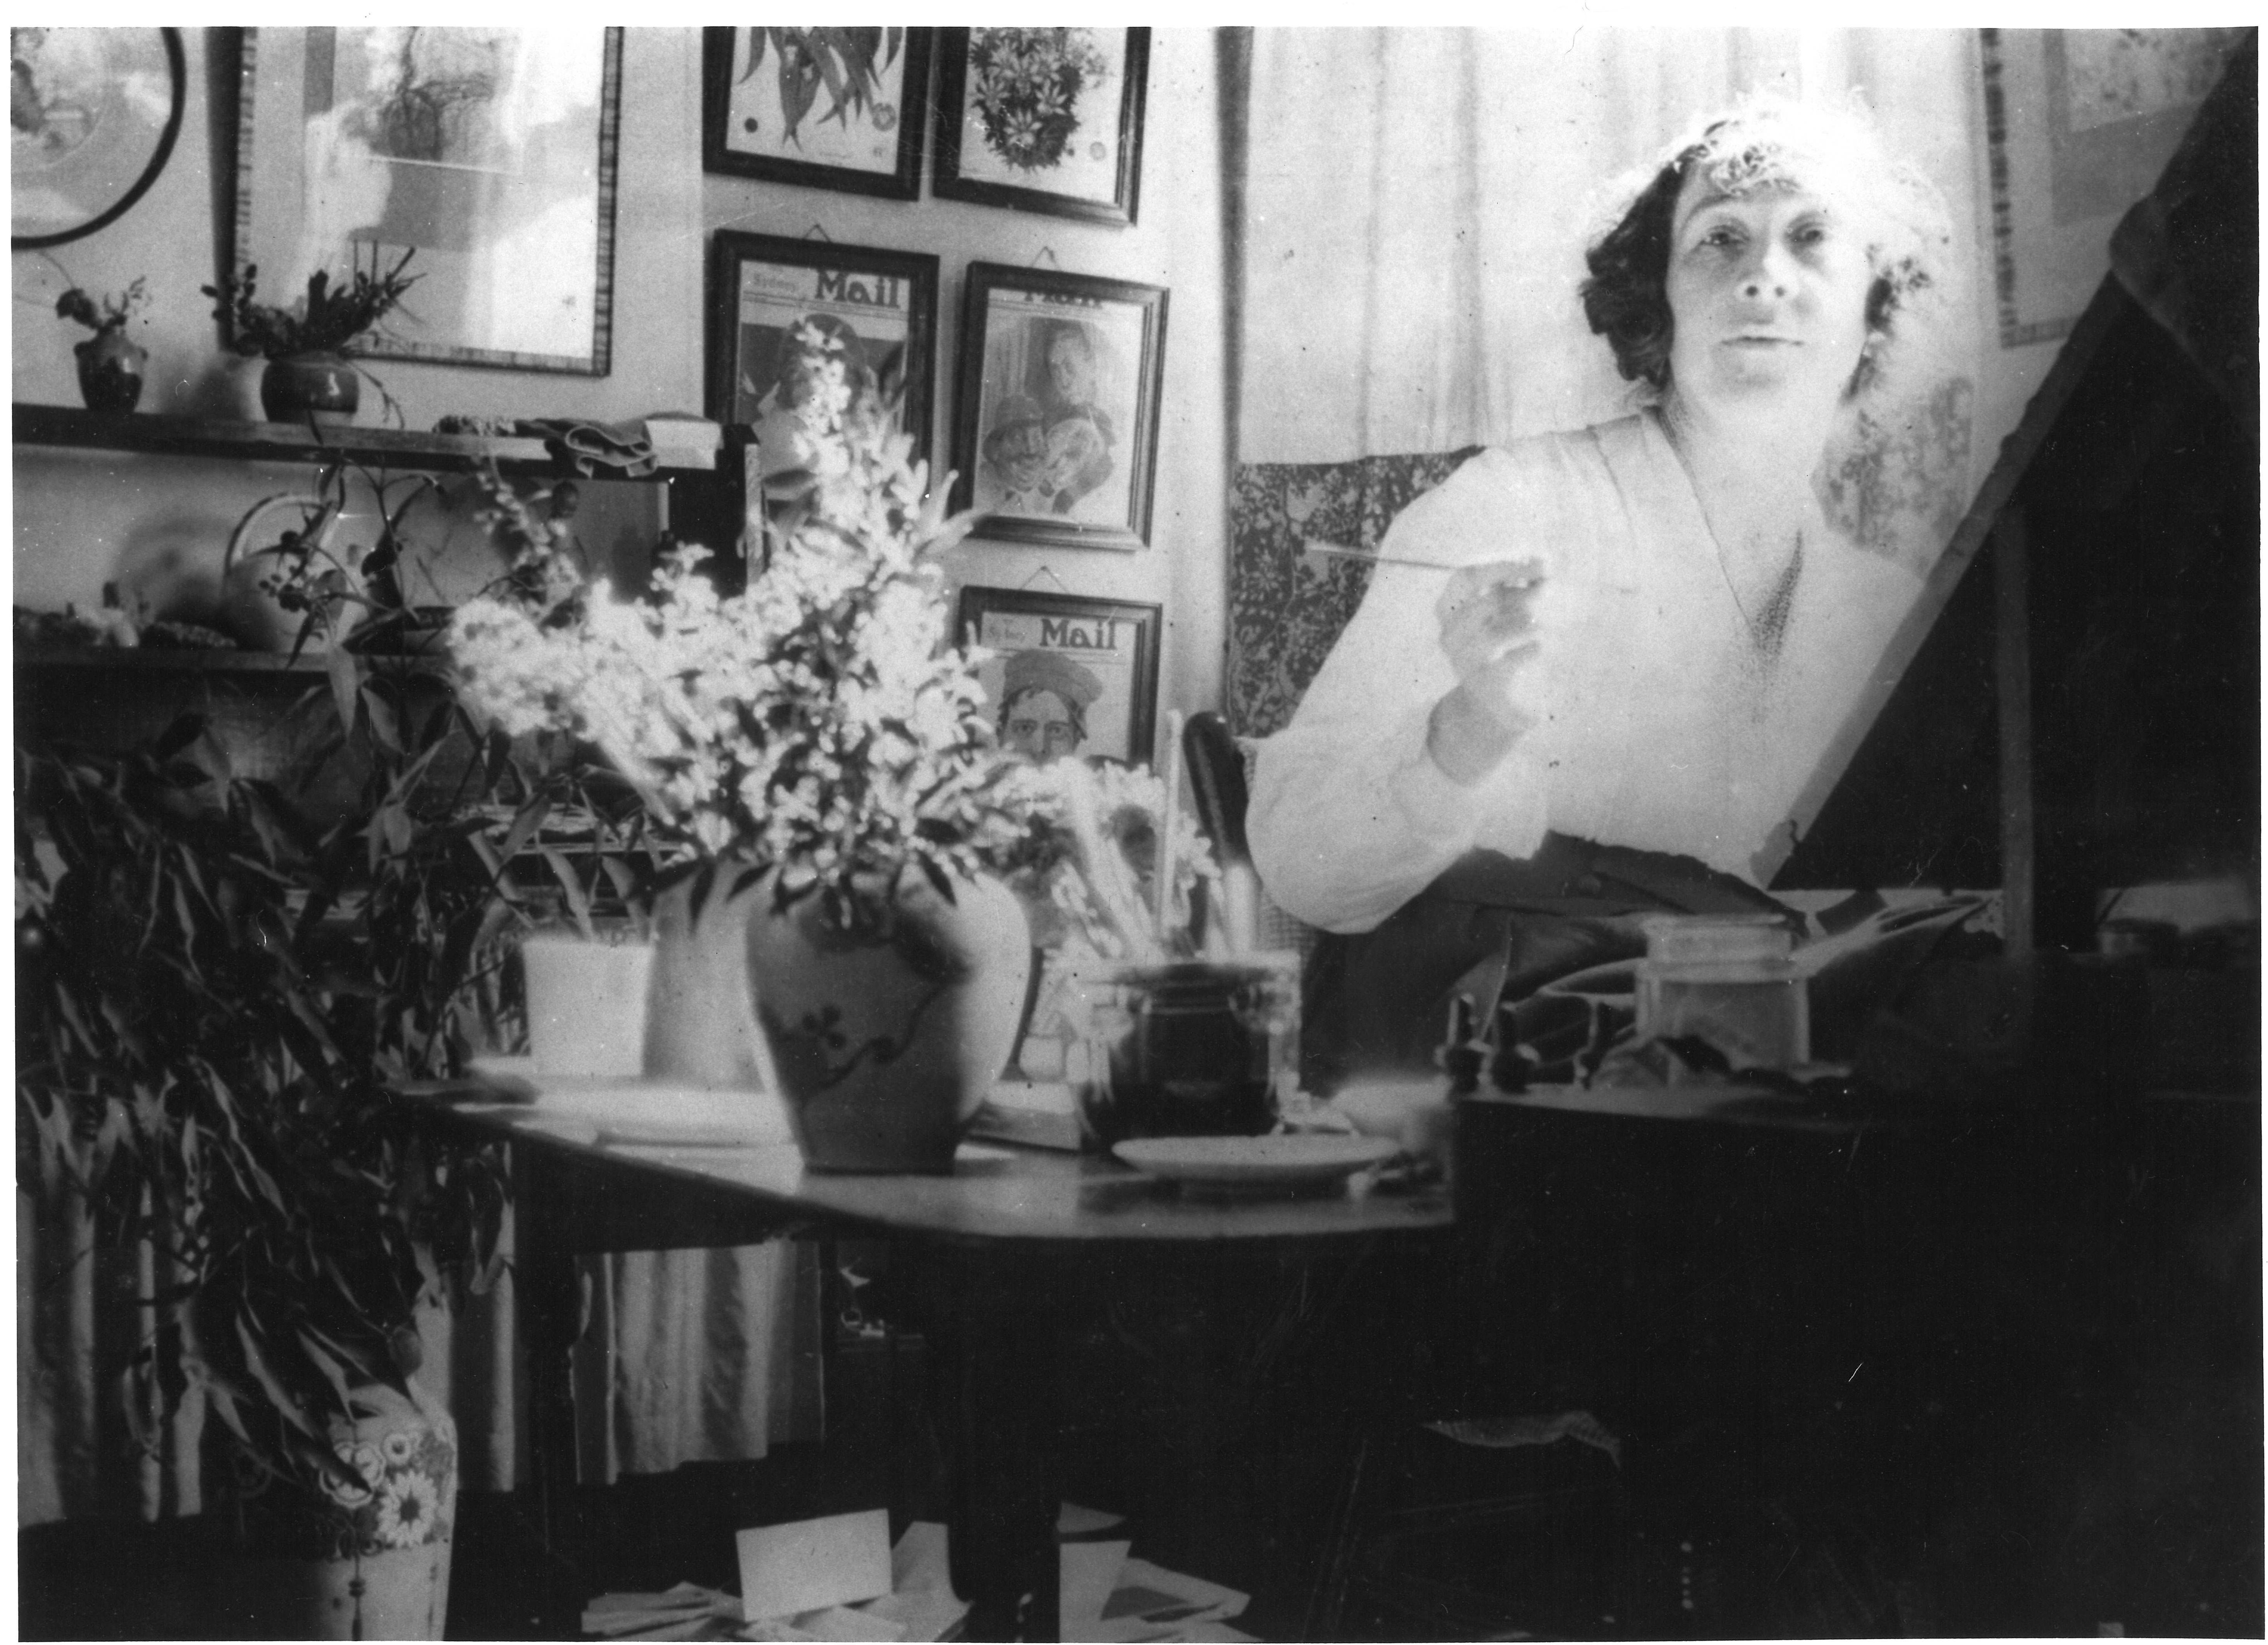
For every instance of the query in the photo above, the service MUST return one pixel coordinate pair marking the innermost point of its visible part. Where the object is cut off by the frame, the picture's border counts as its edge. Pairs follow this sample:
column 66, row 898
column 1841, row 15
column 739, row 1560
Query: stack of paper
column 1141, row 1601
column 839, row 1578
column 685, row 1612
column 1105, row 1595
column 1036, row 1113
column 683, row 441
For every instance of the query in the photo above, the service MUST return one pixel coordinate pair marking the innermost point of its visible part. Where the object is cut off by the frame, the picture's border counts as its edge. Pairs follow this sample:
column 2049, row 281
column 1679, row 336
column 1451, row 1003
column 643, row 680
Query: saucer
column 1285, row 1163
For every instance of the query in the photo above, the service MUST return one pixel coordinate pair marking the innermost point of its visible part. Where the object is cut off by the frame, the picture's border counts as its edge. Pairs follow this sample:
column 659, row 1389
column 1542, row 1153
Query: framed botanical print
column 1068, row 675
column 1055, row 438
column 489, row 152
column 881, row 305
column 2078, row 125
column 823, row 107
column 95, row 112
column 1042, row 118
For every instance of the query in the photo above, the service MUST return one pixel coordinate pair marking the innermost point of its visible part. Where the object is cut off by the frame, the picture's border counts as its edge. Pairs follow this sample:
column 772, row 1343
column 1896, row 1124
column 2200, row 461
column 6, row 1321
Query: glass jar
column 1728, row 980
column 1190, row 1047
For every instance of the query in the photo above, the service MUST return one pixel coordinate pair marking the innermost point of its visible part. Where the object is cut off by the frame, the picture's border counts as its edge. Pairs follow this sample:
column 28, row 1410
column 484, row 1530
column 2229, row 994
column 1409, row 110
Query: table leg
column 996, row 1323
column 547, row 1306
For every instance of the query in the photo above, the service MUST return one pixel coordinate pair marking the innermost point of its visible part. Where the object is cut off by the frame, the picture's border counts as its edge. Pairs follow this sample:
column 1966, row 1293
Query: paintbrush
column 1369, row 558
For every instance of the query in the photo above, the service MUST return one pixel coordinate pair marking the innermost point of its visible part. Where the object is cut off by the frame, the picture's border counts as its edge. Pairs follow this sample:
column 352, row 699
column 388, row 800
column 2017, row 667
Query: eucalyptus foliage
column 215, row 986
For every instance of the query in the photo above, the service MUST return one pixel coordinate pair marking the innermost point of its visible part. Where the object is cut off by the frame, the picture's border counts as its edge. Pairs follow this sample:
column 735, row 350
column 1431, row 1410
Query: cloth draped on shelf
column 597, row 451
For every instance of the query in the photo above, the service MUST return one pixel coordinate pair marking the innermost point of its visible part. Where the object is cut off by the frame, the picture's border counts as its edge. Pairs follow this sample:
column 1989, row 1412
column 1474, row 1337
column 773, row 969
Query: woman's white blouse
column 1659, row 726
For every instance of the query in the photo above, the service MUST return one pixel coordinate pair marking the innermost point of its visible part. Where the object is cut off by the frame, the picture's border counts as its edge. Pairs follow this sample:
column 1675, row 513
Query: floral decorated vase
column 370, row 1559
column 110, row 367
column 886, row 1047
column 320, row 388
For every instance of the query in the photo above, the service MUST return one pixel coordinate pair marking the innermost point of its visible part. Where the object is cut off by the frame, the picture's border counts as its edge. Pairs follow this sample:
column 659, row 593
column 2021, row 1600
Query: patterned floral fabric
column 1286, row 603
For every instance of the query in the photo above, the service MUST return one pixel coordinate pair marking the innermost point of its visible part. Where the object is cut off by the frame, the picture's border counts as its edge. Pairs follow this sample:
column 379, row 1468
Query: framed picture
column 1042, row 118
column 489, row 152
column 1055, row 438
column 95, row 112
column 1068, row 675
column 2078, row 125
column 880, row 304
column 823, row 107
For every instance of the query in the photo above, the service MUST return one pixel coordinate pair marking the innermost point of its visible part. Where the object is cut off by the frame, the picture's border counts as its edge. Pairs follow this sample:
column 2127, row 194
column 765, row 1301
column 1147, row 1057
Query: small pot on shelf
column 321, row 388
column 110, row 368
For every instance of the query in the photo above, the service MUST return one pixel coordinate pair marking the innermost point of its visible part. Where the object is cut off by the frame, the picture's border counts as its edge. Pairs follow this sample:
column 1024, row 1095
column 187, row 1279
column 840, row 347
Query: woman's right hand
column 1488, row 630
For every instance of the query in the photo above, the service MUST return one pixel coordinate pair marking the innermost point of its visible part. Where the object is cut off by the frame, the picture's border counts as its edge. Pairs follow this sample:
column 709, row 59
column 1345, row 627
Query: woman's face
column 1768, row 293
column 1070, row 368
column 1040, row 726
column 1020, row 456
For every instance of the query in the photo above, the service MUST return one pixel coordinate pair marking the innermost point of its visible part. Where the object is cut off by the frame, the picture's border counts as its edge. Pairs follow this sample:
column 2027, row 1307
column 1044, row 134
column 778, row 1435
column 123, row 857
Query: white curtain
column 690, row 1356
column 1419, row 199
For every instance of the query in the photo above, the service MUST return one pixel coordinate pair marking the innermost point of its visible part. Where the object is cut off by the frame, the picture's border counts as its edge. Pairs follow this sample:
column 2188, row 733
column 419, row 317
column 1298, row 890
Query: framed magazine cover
column 880, row 304
column 1069, row 675
column 1056, row 433
column 1042, row 118
column 490, row 152
column 837, row 109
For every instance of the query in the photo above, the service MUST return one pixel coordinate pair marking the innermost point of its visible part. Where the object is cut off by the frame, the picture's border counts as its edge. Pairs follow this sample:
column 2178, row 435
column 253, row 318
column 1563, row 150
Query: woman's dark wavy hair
column 1626, row 299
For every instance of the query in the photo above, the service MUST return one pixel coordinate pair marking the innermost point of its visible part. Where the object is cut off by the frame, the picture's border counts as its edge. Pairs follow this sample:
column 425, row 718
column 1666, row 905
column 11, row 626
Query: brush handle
column 1364, row 554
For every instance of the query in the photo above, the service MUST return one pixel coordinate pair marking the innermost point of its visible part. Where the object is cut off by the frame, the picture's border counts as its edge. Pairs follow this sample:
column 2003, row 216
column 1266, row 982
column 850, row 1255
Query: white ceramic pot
column 587, row 1005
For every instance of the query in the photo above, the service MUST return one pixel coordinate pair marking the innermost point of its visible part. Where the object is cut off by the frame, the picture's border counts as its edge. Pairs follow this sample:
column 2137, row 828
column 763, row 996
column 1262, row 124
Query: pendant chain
column 1768, row 628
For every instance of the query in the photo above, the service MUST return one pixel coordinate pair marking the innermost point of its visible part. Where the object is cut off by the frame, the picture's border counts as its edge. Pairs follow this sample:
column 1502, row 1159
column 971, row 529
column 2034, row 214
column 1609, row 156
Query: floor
column 2130, row 1495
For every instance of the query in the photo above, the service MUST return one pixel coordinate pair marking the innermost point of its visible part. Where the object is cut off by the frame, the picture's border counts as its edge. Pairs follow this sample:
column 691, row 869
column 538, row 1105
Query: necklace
column 1767, row 624
column 1768, row 627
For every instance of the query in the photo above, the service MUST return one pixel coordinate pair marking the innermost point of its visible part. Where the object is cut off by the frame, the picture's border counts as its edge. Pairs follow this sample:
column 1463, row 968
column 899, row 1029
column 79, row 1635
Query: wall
column 1175, row 244
column 83, row 519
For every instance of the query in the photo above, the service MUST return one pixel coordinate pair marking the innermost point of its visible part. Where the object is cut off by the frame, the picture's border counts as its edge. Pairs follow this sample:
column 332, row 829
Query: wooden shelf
column 155, row 659
column 71, row 427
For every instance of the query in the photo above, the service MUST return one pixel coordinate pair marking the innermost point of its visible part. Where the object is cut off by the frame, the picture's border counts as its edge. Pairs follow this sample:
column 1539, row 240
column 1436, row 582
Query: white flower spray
column 816, row 722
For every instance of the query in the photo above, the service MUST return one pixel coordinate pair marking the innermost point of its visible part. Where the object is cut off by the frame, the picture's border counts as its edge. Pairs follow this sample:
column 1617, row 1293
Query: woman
column 775, row 408
column 1079, row 433
column 1652, row 631
column 1044, row 697
column 1013, row 478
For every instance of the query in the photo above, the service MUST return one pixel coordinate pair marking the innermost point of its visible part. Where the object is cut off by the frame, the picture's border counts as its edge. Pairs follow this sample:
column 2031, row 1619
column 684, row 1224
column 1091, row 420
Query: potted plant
column 110, row 364
column 310, row 347
column 820, row 770
column 213, row 987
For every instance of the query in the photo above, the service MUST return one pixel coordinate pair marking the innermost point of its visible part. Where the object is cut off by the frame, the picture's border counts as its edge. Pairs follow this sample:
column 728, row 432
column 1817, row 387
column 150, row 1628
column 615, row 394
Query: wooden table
column 1009, row 1230
column 1779, row 1301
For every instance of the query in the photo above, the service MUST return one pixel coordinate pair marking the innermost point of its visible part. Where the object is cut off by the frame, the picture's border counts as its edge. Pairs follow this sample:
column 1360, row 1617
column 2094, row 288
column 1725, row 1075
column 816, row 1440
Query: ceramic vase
column 885, row 1046
column 700, row 1024
column 369, row 1560
column 110, row 368
column 320, row 388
